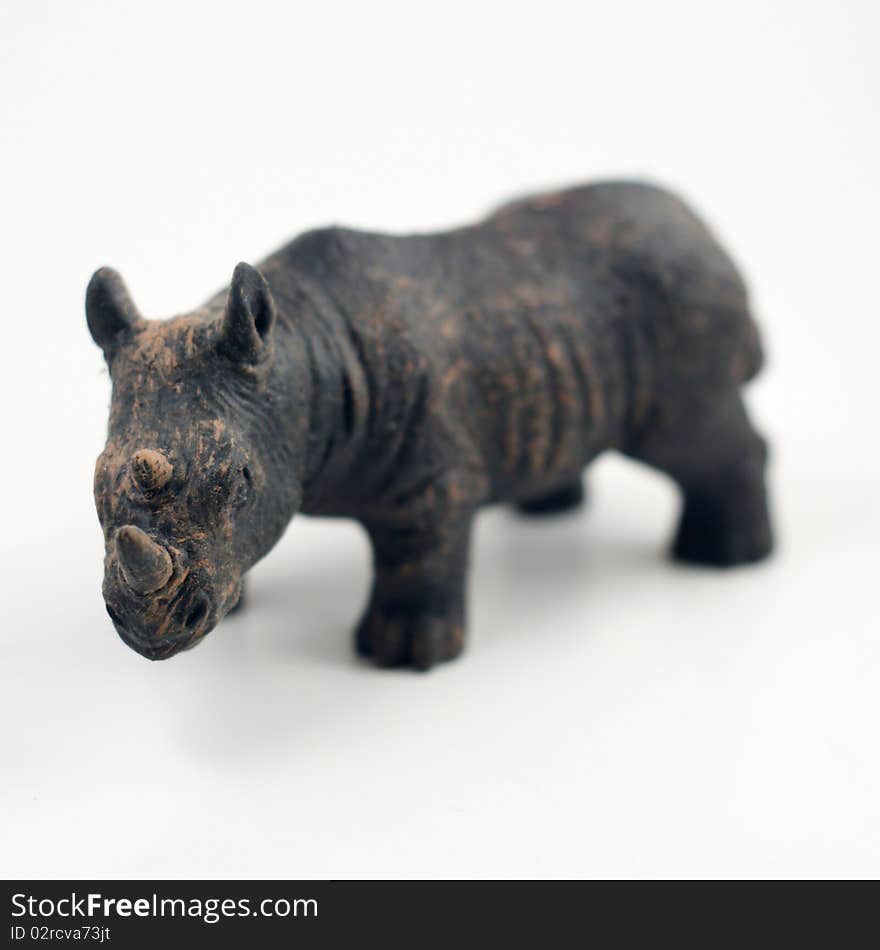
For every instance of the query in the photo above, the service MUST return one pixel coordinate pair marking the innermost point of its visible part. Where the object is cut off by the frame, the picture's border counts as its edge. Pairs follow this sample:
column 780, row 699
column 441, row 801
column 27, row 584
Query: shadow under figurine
column 407, row 381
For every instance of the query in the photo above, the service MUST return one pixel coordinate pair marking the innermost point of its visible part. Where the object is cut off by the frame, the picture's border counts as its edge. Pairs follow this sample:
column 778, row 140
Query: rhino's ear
column 109, row 308
column 246, row 330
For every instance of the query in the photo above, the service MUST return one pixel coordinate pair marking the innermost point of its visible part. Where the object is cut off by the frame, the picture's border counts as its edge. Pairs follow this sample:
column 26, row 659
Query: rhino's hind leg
column 564, row 499
column 718, row 460
column 416, row 613
column 725, row 522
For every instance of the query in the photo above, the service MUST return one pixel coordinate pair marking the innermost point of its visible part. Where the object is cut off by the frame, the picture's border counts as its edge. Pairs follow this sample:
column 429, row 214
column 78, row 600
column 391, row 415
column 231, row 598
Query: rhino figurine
column 407, row 381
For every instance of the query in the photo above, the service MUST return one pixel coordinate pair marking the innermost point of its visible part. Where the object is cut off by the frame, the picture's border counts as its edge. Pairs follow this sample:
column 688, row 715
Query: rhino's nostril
column 197, row 612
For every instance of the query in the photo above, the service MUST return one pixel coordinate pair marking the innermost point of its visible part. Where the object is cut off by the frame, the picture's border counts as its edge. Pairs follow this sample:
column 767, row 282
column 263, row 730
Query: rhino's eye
column 243, row 490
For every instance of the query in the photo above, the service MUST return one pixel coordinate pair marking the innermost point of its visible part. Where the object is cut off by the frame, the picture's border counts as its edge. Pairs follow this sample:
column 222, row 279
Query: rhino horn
column 151, row 469
column 146, row 566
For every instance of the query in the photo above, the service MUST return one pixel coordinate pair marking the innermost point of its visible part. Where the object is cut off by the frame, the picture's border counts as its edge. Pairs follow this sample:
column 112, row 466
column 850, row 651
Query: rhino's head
column 197, row 480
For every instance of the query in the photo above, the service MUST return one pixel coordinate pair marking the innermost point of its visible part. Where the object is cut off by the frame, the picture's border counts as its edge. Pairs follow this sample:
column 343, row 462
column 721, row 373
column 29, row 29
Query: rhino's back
column 691, row 301
column 546, row 329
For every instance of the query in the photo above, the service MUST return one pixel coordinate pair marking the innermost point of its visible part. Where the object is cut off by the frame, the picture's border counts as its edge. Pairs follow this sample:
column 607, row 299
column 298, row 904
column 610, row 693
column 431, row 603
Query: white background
column 614, row 714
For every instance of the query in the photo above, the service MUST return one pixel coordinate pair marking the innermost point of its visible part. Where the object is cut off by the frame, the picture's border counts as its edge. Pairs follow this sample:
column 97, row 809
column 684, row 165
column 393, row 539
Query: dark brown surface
column 408, row 381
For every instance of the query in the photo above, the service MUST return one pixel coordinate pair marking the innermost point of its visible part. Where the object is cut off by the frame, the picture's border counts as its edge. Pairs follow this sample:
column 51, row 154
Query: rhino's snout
column 161, row 630
column 145, row 565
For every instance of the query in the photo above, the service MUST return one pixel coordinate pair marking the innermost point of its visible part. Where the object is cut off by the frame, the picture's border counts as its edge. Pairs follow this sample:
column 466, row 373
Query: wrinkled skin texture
column 408, row 381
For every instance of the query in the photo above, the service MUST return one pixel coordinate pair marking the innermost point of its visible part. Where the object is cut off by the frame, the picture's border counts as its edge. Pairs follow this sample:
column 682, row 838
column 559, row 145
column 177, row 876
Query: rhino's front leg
column 416, row 612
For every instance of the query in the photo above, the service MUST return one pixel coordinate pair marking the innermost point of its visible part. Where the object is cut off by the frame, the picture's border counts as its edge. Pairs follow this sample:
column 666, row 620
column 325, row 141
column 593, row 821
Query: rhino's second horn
column 151, row 469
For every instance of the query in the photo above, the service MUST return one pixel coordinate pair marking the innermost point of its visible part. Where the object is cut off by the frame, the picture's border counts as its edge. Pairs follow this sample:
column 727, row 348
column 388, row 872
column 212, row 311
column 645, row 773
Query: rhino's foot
column 415, row 615
column 402, row 637
column 709, row 446
column 724, row 532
